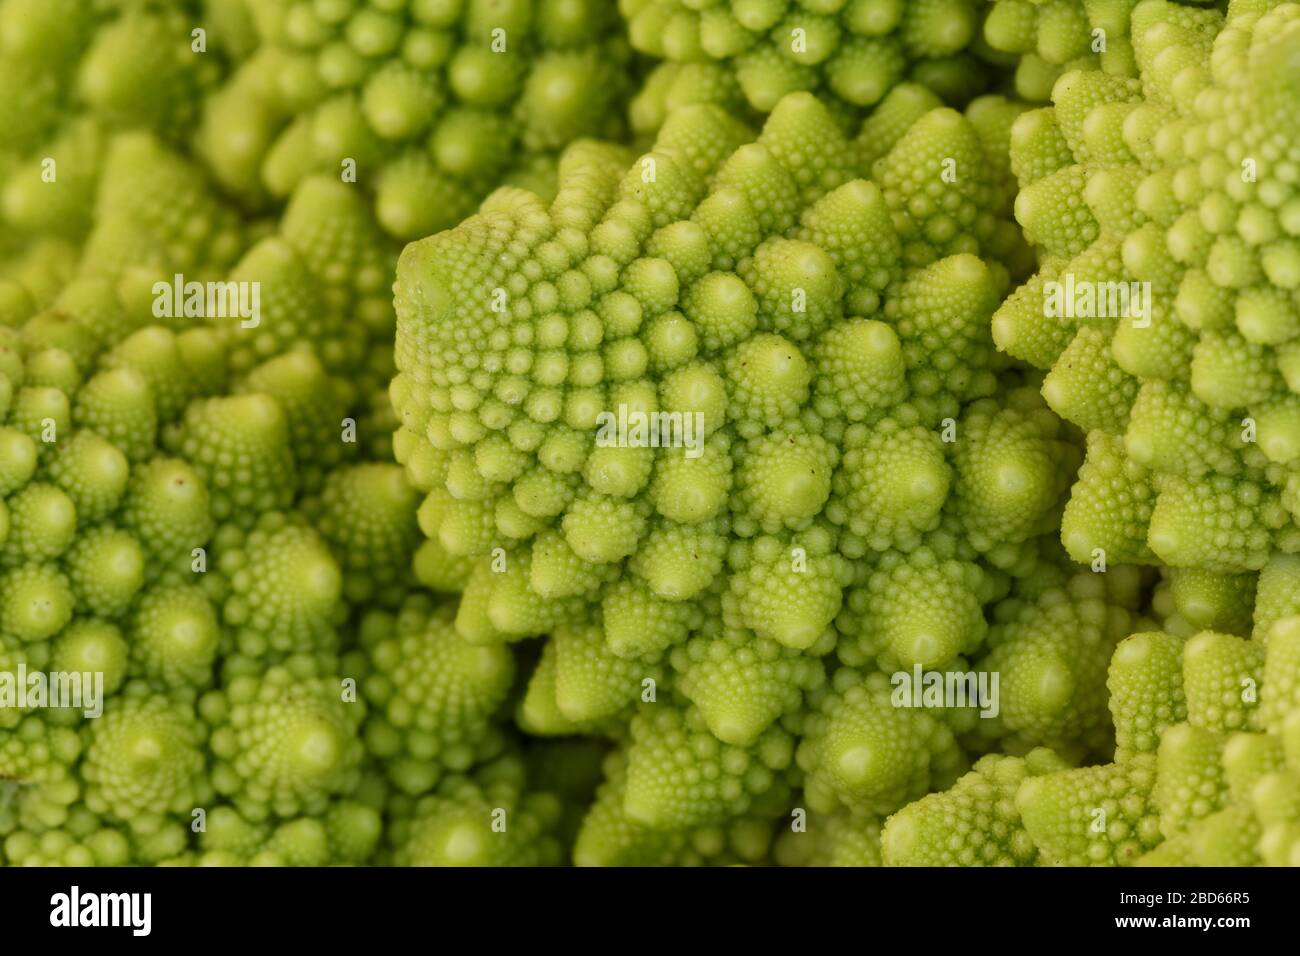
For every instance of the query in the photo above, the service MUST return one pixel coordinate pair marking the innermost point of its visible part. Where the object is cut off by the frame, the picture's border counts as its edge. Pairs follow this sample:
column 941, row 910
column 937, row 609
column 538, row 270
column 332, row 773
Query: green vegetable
column 155, row 540
column 1172, row 183
column 751, row 53
column 1201, row 786
column 709, row 591
column 772, row 449
column 426, row 105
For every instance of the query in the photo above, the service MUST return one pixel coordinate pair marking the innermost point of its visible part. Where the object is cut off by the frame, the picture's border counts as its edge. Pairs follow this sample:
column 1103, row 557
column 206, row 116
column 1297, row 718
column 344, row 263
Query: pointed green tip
column 859, row 765
column 463, row 845
column 316, row 749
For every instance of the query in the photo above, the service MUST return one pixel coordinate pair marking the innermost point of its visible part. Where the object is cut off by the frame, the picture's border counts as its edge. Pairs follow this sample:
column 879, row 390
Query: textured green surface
column 930, row 573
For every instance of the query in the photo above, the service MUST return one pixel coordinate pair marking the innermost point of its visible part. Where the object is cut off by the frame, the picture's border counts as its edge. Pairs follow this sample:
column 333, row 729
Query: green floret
column 433, row 696
column 975, row 823
column 721, row 294
column 36, row 761
column 1220, row 602
column 1145, row 681
column 1093, row 816
column 279, row 587
column 346, row 833
column 590, row 682
column 892, row 485
column 1010, row 470
column 240, row 446
column 86, row 845
column 315, row 406
column 284, row 743
column 740, row 54
column 1203, row 776
column 167, row 507
column 918, row 608
column 424, row 107
column 340, row 243
column 77, row 73
column 742, row 685
column 738, row 461
column 487, row 819
column 293, row 314
column 367, row 514
column 714, row 782
column 144, row 760
column 610, row 837
column 1052, row 38
column 1175, row 181
column 1229, row 798
column 1220, row 674
column 842, row 839
column 149, row 529
column 538, row 711
column 862, row 750
column 1051, row 647
column 831, row 375
column 789, row 593
column 155, row 210
column 177, row 636
column 1189, row 783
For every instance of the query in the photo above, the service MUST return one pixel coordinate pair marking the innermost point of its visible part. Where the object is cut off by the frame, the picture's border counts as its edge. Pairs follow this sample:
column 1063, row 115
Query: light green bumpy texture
column 730, row 612
column 426, row 104
column 159, row 469
column 748, row 54
column 1183, row 181
column 747, row 460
